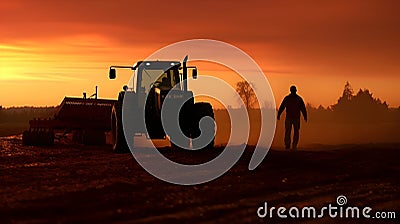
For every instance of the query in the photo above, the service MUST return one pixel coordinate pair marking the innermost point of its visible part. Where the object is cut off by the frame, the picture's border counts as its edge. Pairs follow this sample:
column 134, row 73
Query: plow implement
column 86, row 119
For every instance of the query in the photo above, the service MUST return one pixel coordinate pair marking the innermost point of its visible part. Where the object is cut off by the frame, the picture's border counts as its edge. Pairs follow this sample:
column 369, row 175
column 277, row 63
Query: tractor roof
column 157, row 64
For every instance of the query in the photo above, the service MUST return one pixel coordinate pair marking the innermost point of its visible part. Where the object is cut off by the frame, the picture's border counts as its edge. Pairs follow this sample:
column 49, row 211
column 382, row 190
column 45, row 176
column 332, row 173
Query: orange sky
column 49, row 49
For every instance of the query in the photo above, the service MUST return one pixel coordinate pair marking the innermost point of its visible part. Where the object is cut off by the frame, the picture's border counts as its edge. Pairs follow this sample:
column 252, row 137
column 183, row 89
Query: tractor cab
column 153, row 80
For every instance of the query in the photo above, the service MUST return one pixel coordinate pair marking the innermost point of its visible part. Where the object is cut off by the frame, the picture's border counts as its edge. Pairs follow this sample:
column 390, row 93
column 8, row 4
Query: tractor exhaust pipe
column 185, row 87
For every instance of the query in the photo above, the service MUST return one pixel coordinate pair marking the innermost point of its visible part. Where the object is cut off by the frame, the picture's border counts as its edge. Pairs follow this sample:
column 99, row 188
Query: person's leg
column 288, row 131
column 296, row 127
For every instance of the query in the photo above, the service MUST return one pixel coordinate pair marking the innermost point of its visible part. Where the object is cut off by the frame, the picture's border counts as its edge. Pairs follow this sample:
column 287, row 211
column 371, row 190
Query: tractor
column 146, row 100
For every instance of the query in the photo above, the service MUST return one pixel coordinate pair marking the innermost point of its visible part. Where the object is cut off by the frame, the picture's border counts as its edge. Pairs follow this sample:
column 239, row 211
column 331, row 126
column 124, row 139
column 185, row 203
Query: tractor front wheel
column 118, row 137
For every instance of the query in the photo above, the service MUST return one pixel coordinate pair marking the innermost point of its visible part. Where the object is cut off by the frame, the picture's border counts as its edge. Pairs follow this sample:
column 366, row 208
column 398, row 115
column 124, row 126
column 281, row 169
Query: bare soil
column 75, row 183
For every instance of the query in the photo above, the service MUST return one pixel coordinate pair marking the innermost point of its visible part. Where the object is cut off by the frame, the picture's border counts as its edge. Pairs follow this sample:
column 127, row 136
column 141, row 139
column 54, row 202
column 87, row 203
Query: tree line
column 24, row 114
column 351, row 107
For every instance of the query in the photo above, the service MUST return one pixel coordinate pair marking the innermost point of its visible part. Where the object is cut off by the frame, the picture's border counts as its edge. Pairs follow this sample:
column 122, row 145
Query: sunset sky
column 51, row 49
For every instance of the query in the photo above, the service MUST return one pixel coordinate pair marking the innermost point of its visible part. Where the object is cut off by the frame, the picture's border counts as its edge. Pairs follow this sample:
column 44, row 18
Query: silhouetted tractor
column 147, row 96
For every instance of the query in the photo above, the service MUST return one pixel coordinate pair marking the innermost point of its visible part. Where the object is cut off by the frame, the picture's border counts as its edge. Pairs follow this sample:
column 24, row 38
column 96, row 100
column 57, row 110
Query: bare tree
column 246, row 92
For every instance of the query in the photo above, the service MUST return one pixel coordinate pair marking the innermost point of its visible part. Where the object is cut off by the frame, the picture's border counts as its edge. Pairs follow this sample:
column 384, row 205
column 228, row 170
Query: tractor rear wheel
column 201, row 110
column 118, row 137
column 186, row 145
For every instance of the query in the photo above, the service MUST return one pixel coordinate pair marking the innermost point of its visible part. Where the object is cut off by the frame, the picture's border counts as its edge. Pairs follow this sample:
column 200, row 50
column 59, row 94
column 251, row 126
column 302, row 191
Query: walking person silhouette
column 293, row 104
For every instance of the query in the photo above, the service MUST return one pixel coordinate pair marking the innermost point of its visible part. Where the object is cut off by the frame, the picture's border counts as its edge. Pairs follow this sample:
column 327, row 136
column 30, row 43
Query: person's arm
column 303, row 109
column 282, row 108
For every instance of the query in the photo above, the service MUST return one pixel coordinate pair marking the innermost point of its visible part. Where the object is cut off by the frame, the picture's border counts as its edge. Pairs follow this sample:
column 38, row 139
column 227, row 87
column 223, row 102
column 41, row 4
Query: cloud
column 35, row 77
column 311, row 38
column 300, row 32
